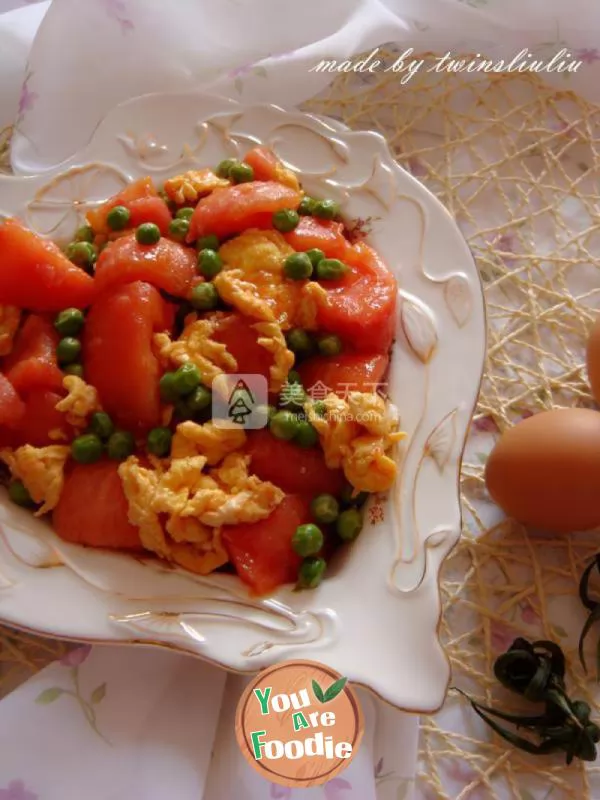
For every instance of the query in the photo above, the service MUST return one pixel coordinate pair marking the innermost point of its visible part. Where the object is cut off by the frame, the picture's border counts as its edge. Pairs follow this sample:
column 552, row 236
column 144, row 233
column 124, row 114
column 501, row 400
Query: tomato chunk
column 166, row 265
column 35, row 274
column 324, row 235
column 32, row 363
column 267, row 167
column 92, row 509
column 12, row 408
column 143, row 202
column 361, row 307
column 241, row 340
column 118, row 356
column 234, row 208
column 262, row 552
column 41, row 419
column 351, row 372
column 290, row 467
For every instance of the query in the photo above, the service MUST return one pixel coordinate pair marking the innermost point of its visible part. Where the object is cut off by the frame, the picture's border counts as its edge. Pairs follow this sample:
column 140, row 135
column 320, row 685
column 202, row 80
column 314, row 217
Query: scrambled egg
column 195, row 345
column 42, row 471
column 10, row 316
column 273, row 340
column 195, row 503
column 206, row 440
column 189, row 186
column 287, row 177
column 253, row 281
column 358, row 435
column 81, row 401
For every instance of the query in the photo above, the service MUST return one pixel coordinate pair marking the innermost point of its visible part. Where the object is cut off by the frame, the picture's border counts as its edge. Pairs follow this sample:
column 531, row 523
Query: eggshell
column 593, row 360
column 545, row 472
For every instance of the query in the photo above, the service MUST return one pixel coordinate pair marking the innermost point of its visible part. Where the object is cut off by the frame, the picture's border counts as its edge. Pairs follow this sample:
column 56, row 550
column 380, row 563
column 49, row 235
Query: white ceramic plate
column 375, row 618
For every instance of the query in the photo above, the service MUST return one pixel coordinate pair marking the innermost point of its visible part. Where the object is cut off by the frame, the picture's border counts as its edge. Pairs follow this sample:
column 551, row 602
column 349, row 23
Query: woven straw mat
column 517, row 164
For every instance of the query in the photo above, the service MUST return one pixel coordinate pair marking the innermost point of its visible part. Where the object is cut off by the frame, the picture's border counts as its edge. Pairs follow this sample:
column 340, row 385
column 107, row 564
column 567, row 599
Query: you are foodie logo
column 299, row 723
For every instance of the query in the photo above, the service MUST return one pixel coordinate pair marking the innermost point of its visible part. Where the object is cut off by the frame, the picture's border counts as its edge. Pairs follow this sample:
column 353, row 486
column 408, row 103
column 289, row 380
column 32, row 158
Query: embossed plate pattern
column 375, row 619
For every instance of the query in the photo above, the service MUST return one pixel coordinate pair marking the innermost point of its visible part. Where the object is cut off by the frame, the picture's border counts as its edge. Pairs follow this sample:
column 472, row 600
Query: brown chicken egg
column 545, row 472
column 593, row 360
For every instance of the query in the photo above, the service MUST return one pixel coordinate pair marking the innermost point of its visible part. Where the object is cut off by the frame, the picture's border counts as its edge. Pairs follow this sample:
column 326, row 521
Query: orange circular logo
column 299, row 723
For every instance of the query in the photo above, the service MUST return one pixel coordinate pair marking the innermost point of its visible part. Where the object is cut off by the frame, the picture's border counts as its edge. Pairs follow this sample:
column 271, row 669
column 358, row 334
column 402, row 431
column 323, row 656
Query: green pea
column 20, row 495
column 315, row 255
column 199, row 399
column 120, row 445
column 102, row 425
column 69, row 322
column 293, row 396
column 307, row 206
column 68, row 350
column 166, row 385
column 74, row 369
column 178, row 229
column 118, row 218
column 210, row 242
column 83, row 254
column 204, row 297
column 147, row 233
column 326, row 209
column 306, row 435
column 159, row 442
column 294, row 377
column 307, row 540
column 330, row 345
column 241, row 173
column 285, row 220
column 330, row 269
column 320, row 408
column 283, row 425
column 298, row 267
column 350, row 499
column 311, row 572
column 209, row 263
column 185, row 213
column 85, row 234
column 349, row 524
column 325, row 508
column 187, row 378
column 300, row 342
column 183, row 411
column 87, row 448
column 224, row 167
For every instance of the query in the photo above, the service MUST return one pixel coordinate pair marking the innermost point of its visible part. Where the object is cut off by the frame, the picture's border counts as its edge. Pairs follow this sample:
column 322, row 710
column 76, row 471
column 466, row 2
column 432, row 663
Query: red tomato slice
column 290, row 467
column 166, row 265
column 262, row 552
column 150, row 209
column 135, row 197
column 324, row 235
column 12, row 408
column 361, row 307
column 92, row 509
column 267, row 167
column 347, row 372
column 32, row 363
column 231, row 209
column 241, row 340
column 35, row 274
column 118, row 356
column 41, row 417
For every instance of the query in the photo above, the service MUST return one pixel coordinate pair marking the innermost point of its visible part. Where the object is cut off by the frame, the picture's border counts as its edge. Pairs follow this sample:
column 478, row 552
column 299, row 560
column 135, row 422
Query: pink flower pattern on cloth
column 16, row 791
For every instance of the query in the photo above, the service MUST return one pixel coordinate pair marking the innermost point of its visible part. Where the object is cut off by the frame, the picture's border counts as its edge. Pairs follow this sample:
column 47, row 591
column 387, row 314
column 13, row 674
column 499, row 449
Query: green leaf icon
column 49, row 696
column 318, row 692
column 335, row 689
column 99, row 694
